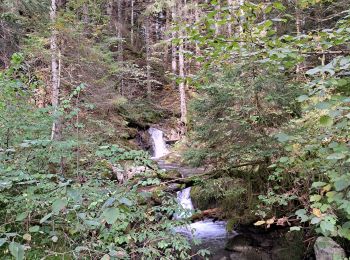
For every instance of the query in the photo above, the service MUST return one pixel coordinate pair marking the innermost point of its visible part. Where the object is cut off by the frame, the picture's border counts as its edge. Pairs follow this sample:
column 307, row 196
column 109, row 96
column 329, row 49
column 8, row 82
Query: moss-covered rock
column 327, row 249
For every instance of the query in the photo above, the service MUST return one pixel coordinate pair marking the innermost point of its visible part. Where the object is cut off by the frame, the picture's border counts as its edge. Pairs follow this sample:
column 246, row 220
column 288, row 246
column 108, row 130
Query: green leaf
column 58, row 205
column 279, row 6
column 301, row 213
column 323, row 105
column 34, row 229
column 46, row 217
column 111, row 215
column 326, row 120
column 281, row 137
column 318, row 184
column 284, row 159
column 315, row 220
column 336, row 156
column 313, row 71
column 341, row 184
column 327, row 226
column 315, row 198
column 21, row 216
column 126, row 202
column 302, row 98
column 2, row 241
column 16, row 250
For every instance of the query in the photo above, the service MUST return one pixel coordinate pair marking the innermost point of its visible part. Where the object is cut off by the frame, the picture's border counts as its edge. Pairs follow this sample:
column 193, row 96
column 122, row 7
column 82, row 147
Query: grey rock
column 327, row 249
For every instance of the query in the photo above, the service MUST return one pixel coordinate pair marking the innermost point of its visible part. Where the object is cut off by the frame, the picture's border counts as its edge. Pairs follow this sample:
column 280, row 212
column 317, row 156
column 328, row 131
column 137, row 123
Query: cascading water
column 159, row 145
column 184, row 199
column 212, row 234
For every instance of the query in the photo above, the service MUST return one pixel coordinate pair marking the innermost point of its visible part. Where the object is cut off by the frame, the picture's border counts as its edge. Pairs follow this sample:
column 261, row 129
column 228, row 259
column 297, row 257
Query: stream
column 246, row 244
column 212, row 234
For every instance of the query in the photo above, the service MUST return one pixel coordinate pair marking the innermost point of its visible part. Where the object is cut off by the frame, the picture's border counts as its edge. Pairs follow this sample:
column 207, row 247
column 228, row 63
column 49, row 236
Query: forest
column 175, row 129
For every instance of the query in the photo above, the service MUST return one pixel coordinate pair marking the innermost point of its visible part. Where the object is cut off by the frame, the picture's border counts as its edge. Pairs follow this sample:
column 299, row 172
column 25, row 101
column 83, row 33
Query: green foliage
column 53, row 203
column 234, row 115
column 316, row 146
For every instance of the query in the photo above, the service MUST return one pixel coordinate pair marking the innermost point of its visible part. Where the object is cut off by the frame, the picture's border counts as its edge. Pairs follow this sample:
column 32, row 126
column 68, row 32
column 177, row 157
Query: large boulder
column 327, row 249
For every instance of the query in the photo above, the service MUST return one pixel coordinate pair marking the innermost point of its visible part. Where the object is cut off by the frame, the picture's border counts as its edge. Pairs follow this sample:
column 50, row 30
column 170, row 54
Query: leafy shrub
column 52, row 202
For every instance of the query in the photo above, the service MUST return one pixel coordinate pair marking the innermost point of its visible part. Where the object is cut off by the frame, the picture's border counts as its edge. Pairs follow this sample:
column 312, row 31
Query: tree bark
column 182, row 89
column 196, row 14
column 229, row 24
column 55, row 73
column 241, row 18
column 120, row 44
column 297, row 25
column 173, row 46
column 148, row 56
column 182, row 85
column 132, row 24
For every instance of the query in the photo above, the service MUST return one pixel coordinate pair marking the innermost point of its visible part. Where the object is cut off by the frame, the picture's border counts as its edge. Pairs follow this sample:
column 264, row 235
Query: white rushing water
column 213, row 234
column 184, row 199
column 159, row 145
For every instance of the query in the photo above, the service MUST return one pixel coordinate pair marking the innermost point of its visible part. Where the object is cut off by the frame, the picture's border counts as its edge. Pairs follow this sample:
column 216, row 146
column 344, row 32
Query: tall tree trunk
column 241, row 18
column 298, row 30
column 132, row 24
column 109, row 8
column 173, row 45
column 229, row 24
column 182, row 86
column 148, row 55
column 120, row 44
column 196, row 17
column 217, row 17
column 166, row 39
column 55, row 73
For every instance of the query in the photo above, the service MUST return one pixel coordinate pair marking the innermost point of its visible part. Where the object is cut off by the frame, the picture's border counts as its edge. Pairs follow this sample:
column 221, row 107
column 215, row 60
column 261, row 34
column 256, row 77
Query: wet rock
column 240, row 243
column 327, row 249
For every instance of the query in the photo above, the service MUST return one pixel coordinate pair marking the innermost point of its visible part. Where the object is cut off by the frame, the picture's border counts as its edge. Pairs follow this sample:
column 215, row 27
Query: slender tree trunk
column 132, row 24
column 298, row 30
column 196, row 17
column 148, row 56
column 109, row 9
column 241, row 3
column 217, row 17
column 86, row 19
column 121, row 41
column 166, row 39
column 182, row 86
column 55, row 73
column 229, row 24
column 173, row 46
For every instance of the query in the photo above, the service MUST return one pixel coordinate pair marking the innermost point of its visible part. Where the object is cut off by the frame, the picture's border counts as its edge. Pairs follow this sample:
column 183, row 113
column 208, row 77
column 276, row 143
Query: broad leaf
column 16, row 250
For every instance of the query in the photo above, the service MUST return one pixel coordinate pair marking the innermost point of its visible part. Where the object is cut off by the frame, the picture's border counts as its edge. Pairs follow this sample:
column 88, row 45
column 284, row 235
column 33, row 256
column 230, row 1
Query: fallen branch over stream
column 209, row 213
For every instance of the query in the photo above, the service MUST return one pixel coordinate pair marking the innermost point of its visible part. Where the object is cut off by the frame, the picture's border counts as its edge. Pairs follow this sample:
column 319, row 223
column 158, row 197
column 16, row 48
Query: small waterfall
column 159, row 145
column 184, row 198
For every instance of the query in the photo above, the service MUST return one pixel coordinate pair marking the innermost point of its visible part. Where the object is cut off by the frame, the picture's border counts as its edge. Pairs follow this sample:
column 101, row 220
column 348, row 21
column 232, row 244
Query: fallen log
column 208, row 213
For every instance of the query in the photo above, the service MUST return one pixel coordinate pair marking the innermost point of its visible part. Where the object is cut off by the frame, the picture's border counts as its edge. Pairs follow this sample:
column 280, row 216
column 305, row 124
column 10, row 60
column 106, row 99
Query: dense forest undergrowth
column 256, row 92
